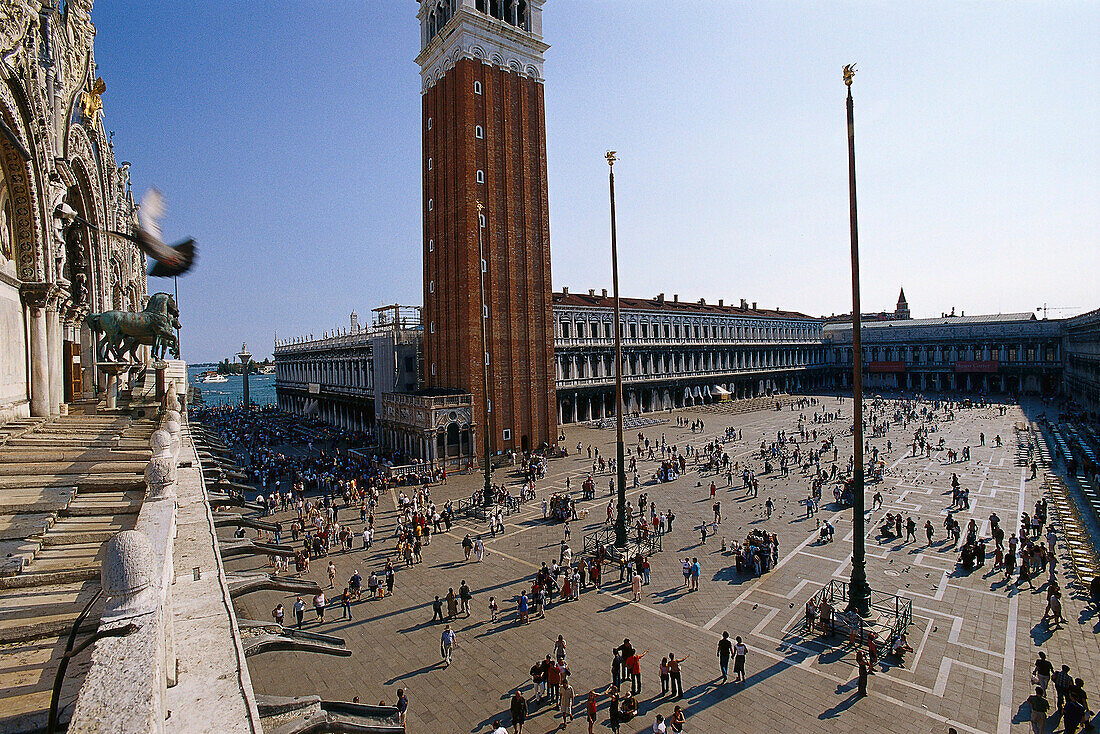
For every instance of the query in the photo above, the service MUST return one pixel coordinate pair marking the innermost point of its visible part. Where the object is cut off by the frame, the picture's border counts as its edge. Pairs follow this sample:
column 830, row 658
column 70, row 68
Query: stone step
column 16, row 554
column 63, row 574
column 84, row 482
column 25, row 454
column 35, row 499
column 23, row 526
column 26, row 682
column 64, row 468
column 70, row 531
column 105, row 503
column 60, row 558
column 27, row 614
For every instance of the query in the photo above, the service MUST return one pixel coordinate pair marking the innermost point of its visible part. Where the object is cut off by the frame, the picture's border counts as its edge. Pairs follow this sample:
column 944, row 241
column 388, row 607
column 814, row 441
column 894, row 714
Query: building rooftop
column 660, row 303
column 998, row 318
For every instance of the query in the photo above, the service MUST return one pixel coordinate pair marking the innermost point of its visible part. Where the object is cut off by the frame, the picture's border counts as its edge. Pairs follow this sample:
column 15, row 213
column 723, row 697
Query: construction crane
column 1044, row 308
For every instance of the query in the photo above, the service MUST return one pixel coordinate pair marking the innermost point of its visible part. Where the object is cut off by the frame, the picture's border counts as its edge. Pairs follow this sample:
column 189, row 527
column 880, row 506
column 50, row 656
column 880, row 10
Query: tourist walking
column 725, row 649
column 402, row 706
column 739, row 652
column 1043, row 670
column 675, row 675
column 864, row 670
column 1039, row 707
column 676, row 721
column 634, row 669
column 299, row 611
column 446, row 644
column 345, row 603
column 565, row 695
column 518, row 709
column 465, row 596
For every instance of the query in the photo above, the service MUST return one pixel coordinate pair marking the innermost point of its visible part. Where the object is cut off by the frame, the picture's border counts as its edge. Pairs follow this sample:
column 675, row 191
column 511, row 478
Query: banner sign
column 986, row 366
column 886, row 367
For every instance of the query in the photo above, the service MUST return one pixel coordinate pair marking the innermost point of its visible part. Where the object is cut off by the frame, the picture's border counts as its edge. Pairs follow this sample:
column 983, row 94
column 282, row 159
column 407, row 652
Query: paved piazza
column 974, row 638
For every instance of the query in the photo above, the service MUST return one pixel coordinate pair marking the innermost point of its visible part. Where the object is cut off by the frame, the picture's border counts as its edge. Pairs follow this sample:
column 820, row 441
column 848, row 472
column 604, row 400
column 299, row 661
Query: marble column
column 35, row 296
column 56, row 373
column 40, row 368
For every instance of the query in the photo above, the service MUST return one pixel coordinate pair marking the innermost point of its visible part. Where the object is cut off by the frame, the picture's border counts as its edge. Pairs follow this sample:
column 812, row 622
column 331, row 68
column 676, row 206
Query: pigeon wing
column 150, row 210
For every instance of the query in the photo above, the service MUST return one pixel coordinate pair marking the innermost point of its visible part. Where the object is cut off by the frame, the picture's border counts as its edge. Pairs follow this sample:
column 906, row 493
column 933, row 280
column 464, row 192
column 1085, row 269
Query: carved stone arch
column 513, row 64
column 88, row 177
column 532, row 72
column 478, row 52
column 82, row 197
column 22, row 189
column 497, row 59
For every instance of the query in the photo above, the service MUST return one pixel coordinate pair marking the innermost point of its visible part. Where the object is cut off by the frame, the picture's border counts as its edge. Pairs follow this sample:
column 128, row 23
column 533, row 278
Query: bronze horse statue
column 124, row 332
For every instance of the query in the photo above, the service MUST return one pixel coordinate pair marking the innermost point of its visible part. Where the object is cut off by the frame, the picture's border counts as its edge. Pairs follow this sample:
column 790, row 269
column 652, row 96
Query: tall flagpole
column 859, row 593
column 176, row 296
column 486, row 403
column 620, row 468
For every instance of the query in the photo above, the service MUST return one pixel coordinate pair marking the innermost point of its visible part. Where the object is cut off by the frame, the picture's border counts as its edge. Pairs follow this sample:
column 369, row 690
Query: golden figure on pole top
column 849, row 72
column 610, row 156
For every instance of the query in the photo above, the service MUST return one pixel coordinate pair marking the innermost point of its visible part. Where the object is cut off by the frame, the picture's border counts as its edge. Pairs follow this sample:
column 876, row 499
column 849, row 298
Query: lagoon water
column 261, row 388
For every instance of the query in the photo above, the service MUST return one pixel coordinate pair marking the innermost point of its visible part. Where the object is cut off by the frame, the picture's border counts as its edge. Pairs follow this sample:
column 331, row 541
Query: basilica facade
column 56, row 158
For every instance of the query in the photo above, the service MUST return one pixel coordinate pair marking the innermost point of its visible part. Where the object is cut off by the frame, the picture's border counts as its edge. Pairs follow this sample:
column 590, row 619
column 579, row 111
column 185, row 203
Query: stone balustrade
column 176, row 660
column 125, row 689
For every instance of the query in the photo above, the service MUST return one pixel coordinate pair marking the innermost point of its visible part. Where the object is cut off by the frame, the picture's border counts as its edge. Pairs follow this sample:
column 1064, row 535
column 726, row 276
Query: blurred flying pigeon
column 171, row 260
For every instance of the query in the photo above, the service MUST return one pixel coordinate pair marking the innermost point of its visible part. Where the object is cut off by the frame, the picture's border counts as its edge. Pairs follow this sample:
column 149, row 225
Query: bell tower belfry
column 902, row 310
column 484, row 142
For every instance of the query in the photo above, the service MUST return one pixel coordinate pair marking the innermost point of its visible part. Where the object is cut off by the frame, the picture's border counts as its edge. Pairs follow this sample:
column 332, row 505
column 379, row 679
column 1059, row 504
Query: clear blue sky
column 286, row 138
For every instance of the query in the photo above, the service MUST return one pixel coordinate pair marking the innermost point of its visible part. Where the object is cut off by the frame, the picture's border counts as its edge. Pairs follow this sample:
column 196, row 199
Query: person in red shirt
column 634, row 667
column 553, row 679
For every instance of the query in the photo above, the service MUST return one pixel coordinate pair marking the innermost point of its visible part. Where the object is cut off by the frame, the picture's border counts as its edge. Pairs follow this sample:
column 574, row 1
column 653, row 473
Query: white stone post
column 160, row 473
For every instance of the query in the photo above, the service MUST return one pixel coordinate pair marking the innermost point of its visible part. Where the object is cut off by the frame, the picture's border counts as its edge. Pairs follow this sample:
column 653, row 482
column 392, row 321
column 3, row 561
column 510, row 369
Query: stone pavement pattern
column 975, row 637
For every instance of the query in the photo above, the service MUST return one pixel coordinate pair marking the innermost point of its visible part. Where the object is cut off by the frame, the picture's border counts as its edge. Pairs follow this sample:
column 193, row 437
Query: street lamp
column 245, row 358
column 859, row 593
column 620, row 468
column 486, row 404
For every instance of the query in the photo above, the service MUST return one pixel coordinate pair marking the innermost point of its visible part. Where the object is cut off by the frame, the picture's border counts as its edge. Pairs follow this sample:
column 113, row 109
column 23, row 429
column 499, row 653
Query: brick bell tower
column 484, row 128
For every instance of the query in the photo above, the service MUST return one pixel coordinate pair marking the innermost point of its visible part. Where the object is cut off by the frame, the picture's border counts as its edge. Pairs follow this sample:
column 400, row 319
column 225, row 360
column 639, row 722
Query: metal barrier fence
column 897, row 607
column 647, row 544
column 474, row 506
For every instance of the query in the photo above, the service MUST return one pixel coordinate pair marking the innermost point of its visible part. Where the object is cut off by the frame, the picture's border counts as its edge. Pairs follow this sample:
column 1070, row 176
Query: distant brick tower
column 902, row 311
column 484, row 127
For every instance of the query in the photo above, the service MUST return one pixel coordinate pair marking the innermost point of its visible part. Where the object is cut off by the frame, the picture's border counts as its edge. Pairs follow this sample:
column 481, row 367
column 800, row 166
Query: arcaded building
column 677, row 353
column 991, row 353
column 54, row 151
column 1082, row 356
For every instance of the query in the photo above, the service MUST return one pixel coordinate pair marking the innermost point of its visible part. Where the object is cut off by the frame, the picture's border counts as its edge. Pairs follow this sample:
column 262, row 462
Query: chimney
column 754, row 305
column 720, row 302
column 592, row 291
column 675, row 297
column 744, row 304
column 604, row 292
column 565, row 290
column 660, row 298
